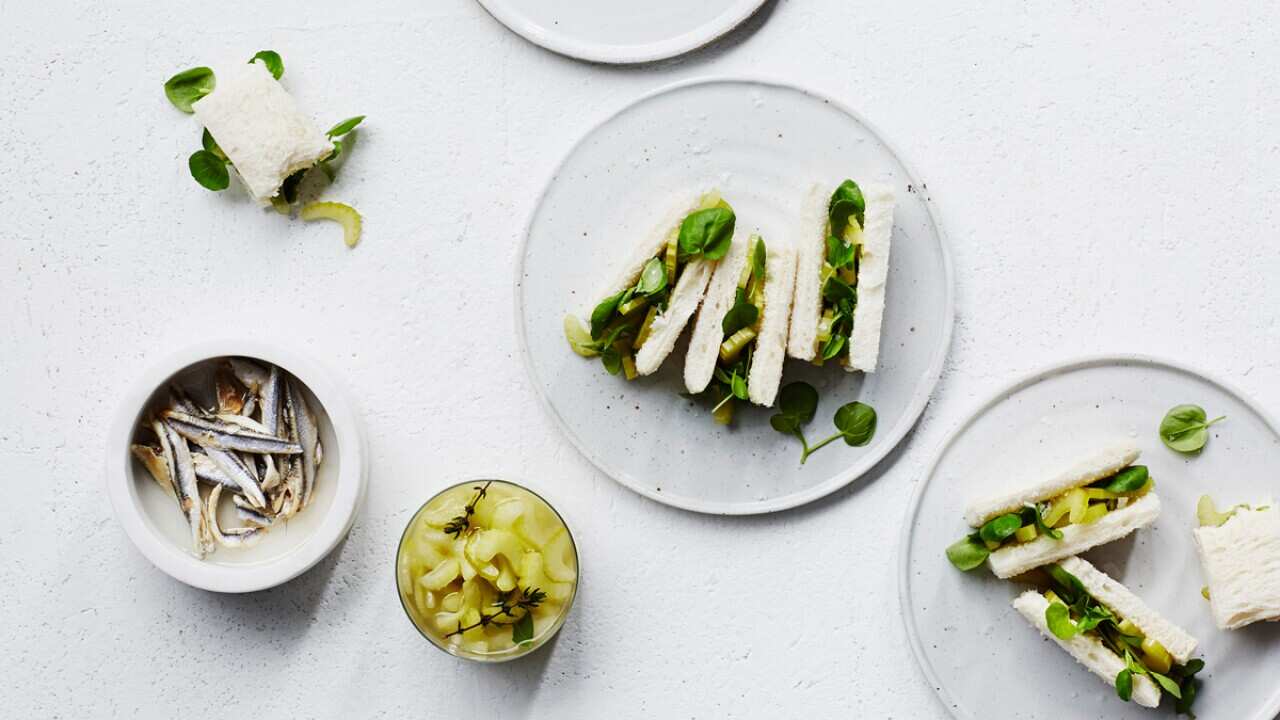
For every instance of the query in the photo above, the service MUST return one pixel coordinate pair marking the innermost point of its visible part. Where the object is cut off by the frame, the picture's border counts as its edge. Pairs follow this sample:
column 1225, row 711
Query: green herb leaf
column 857, row 422
column 1124, row 684
column 207, row 141
column 272, row 60
column 836, row 290
column 758, row 257
column 967, row 553
column 1183, row 706
column 189, row 86
column 345, row 126
column 1058, row 618
column 603, row 312
column 706, row 233
column 1070, row 585
column 1000, row 528
column 1043, row 527
column 522, row 629
column 846, row 202
column 799, row 400
column 1167, row 683
column 1192, row 667
column 209, row 170
column 612, row 360
column 738, row 384
column 833, row 346
column 653, row 277
column 1185, row 428
column 840, row 253
column 1129, row 479
column 742, row 314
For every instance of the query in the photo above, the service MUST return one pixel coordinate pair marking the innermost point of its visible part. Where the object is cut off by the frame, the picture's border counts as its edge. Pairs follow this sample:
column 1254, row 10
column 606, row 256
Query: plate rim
column 914, row 408
column 1019, row 383
column 613, row 54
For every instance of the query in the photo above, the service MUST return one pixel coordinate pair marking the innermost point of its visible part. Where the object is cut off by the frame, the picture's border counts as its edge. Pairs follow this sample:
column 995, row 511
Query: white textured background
column 1107, row 173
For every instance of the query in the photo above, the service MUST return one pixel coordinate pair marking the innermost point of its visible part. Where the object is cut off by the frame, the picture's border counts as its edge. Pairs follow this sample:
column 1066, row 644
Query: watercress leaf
column 603, row 312
column 722, row 376
column 1058, row 618
column 522, row 629
column 337, row 151
column 611, row 359
column 833, row 346
column 209, row 170
column 739, row 386
column 846, row 202
column 189, row 86
column 1124, row 684
column 742, row 314
column 839, row 253
column 345, row 126
column 836, row 290
column 1067, row 582
column 1192, row 667
column 1167, row 683
column 1043, row 527
column 967, row 553
column 1185, row 428
column 857, row 422
column 785, row 424
column 706, row 233
column 998, row 529
column 758, row 259
column 272, row 60
column 1129, row 480
column 206, row 140
column 798, row 400
column 653, row 278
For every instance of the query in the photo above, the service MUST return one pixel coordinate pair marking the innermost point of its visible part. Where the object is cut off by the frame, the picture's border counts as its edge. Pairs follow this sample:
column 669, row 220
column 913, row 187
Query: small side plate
column 982, row 658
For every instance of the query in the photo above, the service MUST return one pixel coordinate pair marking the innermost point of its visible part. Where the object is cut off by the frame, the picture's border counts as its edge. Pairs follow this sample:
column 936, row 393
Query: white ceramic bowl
column 159, row 530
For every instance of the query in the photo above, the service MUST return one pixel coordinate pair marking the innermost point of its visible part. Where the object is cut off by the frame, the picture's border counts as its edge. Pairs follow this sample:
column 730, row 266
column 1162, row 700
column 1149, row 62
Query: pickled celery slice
column 1094, row 513
column 1155, row 656
column 645, row 328
column 1026, row 533
column 338, row 212
column 671, row 255
column 1077, row 504
column 629, row 367
column 553, row 562
column 579, row 337
column 733, row 346
column 443, row 574
column 633, row 305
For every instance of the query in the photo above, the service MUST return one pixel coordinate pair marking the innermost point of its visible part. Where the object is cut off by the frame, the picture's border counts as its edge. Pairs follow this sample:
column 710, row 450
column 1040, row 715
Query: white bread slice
column 1122, row 602
column 771, row 344
column 811, row 250
column 1241, row 561
column 257, row 124
column 1016, row 559
column 668, row 325
column 1107, row 461
column 708, row 329
column 628, row 270
column 1087, row 650
column 873, row 271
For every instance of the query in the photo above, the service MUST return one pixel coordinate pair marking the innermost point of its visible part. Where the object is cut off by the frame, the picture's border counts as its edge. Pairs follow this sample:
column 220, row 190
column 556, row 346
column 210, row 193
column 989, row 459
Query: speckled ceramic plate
column 618, row 31
column 762, row 144
column 983, row 658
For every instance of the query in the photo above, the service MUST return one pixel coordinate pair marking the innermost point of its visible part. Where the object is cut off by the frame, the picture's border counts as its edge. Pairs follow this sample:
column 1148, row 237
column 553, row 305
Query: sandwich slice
column 1240, row 553
column 1101, row 499
column 740, row 336
column 639, row 315
column 843, row 263
column 1114, row 634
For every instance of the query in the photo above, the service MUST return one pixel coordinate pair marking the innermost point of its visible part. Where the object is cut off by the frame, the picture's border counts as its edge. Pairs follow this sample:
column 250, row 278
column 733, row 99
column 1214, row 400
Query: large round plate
column 763, row 145
column 983, row 658
column 617, row 31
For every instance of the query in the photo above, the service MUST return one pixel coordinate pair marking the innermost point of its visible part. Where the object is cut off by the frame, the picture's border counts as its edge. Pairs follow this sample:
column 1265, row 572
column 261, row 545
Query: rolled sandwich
column 1101, row 499
column 843, row 263
column 1240, row 552
column 740, row 336
column 639, row 315
column 1113, row 633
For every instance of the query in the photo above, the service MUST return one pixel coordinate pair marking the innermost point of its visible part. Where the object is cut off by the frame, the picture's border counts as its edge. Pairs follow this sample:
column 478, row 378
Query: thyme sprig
column 507, row 603
column 459, row 523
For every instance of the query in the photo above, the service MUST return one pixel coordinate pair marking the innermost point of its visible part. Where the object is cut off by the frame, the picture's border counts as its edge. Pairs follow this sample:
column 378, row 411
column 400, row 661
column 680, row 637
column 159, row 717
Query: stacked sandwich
column 1103, row 625
column 819, row 299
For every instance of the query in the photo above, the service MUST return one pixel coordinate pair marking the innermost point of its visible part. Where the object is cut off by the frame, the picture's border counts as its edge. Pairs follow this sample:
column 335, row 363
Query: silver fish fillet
column 231, row 537
column 271, row 395
column 187, row 492
column 228, row 436
column 232, row 467
column 249, row 373
column 308, row 437
column 207, row 471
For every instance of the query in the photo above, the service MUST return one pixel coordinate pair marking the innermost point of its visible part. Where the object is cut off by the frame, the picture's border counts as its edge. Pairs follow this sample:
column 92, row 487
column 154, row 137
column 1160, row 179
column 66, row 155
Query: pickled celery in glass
column 487, row 570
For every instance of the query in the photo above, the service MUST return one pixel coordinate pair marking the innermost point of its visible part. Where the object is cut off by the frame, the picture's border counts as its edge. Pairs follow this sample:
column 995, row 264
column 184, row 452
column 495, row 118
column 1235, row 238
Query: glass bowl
column 507, row 531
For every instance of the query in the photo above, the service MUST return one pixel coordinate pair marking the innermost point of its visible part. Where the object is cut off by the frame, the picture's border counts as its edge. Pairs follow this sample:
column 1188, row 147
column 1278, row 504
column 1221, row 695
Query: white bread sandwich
column 1240, row 553
column 740, row 337
column 637, row 317
column 1099, row 500
column 1113, row 634
column 842, row 267
column 257, row 124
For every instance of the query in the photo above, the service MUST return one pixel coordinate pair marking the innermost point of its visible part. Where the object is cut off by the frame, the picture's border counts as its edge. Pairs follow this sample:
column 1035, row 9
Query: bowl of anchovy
column 235, row 466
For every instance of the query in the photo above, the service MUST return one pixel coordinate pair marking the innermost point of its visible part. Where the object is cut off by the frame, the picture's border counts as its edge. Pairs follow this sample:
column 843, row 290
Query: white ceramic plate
column 619, row 31
column 763, row 145
column 158, row 529
column 983, row 658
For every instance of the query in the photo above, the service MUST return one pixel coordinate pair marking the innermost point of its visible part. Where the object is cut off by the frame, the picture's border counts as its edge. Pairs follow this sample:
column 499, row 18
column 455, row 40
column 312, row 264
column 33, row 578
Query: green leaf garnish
column 846, row 202
column 345, row 126
column 189, row 86
column 1000, row 528
column 742, row 314
column 1058, row 617
column 758, row 257
column 856, row 422
column 706, row 233
column 1185, row 428
column 603, row 312
column 967, row 553
column 209, row 170
column 1130, row 479
column 207, row 141
column 1124, row 684
column 272, row 60
column 798, row 401
column 522, row 629
column 840, row 253
column 1167, row 683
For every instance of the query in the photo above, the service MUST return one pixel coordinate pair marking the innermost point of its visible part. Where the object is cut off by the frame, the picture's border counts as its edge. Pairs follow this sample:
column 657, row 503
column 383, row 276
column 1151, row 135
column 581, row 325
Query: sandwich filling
column 741, row 327
column 846, row 213
column 1073, row 611
column 621, row 323
column 1077, row 506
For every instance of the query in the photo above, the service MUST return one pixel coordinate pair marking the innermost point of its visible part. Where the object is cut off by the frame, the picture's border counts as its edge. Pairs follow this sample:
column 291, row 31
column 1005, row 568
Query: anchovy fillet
column 187, row 492
column 308, row 436
column 271, row 396
column 208, row 471
column 231, row 537
column 227, row 436
column 231, row 466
